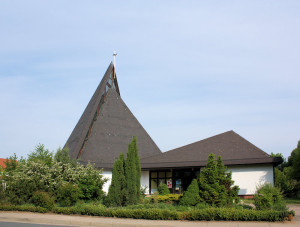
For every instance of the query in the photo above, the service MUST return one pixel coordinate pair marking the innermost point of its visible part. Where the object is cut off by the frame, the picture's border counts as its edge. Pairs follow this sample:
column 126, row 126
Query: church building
column 107, row 126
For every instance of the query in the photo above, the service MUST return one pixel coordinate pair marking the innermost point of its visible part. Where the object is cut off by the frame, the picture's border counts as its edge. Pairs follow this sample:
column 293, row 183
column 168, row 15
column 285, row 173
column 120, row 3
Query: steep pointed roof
column 234, row 149
column 107, row 126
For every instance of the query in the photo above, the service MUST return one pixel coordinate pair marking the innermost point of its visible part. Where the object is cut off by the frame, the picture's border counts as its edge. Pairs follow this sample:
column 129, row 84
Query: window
column 159, row 177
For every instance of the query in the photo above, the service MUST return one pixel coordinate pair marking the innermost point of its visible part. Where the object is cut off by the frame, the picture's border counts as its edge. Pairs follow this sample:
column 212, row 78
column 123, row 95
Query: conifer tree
column 208, row 182
column 215, row 184
column 131, row 176
column 229, row 192
column 138, row 168
column 163, row 189
column 191, row 195
column 126, row 178
column 116, row 192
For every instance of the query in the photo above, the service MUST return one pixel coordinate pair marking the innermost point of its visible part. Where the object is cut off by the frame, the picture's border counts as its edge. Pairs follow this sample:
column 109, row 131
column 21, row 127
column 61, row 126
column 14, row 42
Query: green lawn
column 292, row 201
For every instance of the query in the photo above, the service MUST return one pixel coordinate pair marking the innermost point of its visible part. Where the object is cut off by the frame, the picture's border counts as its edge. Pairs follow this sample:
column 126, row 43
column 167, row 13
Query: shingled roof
column 106, row 127
column 234, row 149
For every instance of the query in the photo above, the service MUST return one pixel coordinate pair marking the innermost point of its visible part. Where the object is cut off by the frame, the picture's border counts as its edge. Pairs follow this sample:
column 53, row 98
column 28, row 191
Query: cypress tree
column 126, row 178
column 138, row 168
column 117, row 189
column 131, row 176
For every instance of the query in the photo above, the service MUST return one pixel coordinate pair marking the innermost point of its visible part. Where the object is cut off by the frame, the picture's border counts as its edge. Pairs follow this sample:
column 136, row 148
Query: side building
column 107, row 126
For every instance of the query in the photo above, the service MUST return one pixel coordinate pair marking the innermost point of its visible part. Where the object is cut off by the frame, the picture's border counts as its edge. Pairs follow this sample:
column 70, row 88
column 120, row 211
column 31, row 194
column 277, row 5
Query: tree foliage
column 138, row 168
column 287, row 174
column 10, row 163
column 283, row 180
column 40, row 154
column 269, row 197
column 132, row 174
column 215, row 184
column 117, row 190
column 163, row 189
column 68, row 194
column 62, row 155
column 294, row 162
column 191, row 195
column 39, row 173
column 125, row 188
column 43, row 199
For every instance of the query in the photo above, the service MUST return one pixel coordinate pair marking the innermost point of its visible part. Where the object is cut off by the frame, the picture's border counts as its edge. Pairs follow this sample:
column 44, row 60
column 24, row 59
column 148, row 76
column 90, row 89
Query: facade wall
column 107, row 174
column 248, row 178
column 144, row 180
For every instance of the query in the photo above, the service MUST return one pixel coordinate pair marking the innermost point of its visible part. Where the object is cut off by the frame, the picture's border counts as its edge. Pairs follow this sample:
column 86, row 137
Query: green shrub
column 191, row 195
column 24, row 207
column 163, row 189
column 202, row 206
column 117, row 190
column 68, row 194
column 20, row 190
column 40, row 172
column 90, row 182
column 215, row 184
column 209, row 214
column 170, row 198
column 3, row 198
column 152, row 205
column 269, row 197
column 43, row 199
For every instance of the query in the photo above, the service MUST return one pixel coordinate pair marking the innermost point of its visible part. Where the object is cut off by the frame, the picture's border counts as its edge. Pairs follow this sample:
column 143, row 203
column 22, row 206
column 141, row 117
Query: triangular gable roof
column 107, row 126
column 234, row 149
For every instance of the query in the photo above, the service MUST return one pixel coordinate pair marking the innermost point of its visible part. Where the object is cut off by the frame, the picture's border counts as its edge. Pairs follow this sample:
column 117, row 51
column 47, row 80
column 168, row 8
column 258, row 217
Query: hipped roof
column 234, row 149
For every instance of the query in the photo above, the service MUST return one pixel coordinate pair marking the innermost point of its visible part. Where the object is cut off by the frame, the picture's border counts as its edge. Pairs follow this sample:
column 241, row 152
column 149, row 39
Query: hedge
column 208, row 214
column 24, row 208
column 165, row 198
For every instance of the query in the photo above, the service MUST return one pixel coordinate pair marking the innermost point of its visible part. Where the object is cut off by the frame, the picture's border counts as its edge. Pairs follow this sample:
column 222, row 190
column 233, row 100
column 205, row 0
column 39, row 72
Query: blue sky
column 188, row 70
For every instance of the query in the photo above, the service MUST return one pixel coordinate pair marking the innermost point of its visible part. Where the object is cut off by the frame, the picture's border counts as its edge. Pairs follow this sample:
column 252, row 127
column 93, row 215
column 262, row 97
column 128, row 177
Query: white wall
column 107, row 174
column 144, row 180
column 248, row 178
